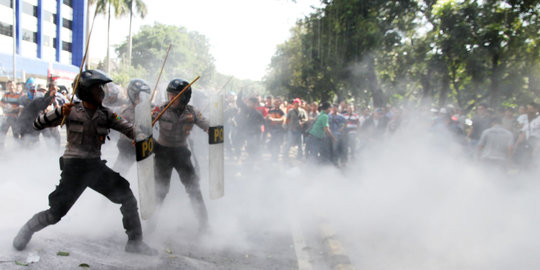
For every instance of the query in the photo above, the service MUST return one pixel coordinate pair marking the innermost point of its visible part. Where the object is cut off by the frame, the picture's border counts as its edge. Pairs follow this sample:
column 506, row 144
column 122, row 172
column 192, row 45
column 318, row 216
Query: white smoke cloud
column 416, row 203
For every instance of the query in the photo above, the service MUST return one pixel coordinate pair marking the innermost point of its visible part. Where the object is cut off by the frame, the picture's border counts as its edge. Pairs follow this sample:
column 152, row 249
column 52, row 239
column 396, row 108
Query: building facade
column 49, row 38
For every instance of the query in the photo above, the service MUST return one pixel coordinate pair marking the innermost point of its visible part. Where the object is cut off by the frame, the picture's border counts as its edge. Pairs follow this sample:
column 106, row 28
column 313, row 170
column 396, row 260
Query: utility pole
column 14, row 35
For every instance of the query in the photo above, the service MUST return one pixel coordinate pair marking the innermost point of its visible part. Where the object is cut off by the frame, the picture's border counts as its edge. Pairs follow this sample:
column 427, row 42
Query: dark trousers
column 52, row 134
column 7, row 122
column 339, row 151
column 276, row 140
column 319, row 149
column 178, row 158
column 126, row 156
column 350, row 145
column 77, row 175
column 294, row 138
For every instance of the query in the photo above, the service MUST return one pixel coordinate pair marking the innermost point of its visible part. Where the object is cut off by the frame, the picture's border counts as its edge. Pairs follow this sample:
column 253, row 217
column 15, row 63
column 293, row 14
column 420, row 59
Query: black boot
column 36, row 223
column 140, row 247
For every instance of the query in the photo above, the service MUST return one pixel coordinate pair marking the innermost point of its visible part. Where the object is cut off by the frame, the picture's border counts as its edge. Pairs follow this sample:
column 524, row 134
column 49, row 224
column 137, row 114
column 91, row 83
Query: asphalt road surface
column 255, row 226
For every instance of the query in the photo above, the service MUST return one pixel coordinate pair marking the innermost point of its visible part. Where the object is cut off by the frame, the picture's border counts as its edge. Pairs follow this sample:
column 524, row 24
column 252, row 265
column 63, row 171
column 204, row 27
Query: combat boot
column 140, row 247
column 36, row 223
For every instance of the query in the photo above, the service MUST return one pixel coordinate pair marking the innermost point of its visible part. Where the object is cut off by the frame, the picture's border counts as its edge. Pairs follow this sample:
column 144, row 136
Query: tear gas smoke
column 414, row 202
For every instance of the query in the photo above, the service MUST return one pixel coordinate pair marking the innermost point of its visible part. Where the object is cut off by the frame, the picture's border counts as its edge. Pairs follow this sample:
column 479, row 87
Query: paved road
column 255, row 226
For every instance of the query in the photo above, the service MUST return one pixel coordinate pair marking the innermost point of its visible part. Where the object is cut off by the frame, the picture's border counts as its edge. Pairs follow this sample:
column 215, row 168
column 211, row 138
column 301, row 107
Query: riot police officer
column 126, row 150
column 172, row 151
column 87, row 124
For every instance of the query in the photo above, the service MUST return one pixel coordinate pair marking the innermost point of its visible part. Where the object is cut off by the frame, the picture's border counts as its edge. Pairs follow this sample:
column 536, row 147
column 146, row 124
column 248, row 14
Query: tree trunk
column 379, row 100
column 130, row 35
column 494, row 89
column 445, row 89
column 108, row 60
column 427, row 92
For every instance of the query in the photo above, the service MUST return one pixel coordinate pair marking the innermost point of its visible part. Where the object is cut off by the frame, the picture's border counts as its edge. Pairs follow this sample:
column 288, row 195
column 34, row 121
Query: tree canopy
column 189, row 56
column 446, row 51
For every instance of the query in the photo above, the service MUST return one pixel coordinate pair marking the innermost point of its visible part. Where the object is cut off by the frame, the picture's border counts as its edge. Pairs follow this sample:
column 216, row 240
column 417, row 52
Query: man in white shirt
column 495, row 145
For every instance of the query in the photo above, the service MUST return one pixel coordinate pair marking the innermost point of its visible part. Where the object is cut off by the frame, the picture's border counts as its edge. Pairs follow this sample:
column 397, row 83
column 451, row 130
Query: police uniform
column 171, row 151
column 126, row 150
column 82, row 167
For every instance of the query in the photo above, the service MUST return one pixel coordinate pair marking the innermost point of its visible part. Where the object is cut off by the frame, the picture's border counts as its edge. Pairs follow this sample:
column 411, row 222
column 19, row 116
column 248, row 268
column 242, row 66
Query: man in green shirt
column 320, row 136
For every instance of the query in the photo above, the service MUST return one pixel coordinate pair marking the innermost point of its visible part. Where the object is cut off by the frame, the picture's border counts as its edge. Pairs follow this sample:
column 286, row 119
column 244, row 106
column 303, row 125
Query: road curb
column 339, row 260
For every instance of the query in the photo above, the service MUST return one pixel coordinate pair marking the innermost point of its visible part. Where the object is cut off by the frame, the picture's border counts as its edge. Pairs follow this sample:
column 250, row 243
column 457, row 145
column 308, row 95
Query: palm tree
column 141, row 9
column 104, row 7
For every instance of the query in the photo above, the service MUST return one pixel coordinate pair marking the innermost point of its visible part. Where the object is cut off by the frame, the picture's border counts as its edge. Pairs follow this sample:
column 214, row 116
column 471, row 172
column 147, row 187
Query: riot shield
column 144, row 145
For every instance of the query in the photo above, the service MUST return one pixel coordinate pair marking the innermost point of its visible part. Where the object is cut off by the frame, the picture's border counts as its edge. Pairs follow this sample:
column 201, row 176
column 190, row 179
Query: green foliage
column 189, row 55
column 62, row 253
column 125, row 73
column 449, row 51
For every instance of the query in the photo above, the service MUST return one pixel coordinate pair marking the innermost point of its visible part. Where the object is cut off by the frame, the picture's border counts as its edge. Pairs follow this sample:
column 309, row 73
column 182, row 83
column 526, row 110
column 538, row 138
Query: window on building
column 46, row 41
column 54, row 43
column 7, row 3
column 68, row 3
column 55, row 21
column 6, row 29
column 66, row 46
column 67, row 23
column 29, row 36
column 29, row 9
column 49, row 17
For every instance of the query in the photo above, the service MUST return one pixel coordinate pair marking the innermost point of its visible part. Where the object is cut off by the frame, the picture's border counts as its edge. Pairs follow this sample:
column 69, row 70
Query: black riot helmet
column 136, row 86
column 177, row 85
column 88, row 79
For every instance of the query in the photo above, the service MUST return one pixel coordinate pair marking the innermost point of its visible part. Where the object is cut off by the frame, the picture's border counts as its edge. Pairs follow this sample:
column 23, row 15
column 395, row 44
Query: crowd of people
column 283, row 130
column 22, row 103
column 296, row 129
column 336, row 133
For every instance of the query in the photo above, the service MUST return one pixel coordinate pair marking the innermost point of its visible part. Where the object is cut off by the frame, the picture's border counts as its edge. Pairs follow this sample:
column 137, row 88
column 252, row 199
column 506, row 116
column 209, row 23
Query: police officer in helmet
column 171, row 148
column 126, row 150
column 87, row 125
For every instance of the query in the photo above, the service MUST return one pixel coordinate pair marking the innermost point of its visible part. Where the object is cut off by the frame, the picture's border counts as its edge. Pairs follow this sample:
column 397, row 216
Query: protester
column 495, row 145
column 321, row 138
column 351, row 132
column 337, row 125
column 480, row 122
column 38, row 105
column 274, row 125
column 294, row 125
column 11, row 108
column 250, row 122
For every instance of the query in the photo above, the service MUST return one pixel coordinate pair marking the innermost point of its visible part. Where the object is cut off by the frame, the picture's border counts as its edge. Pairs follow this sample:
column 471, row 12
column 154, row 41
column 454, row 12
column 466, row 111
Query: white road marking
column 302, row 255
